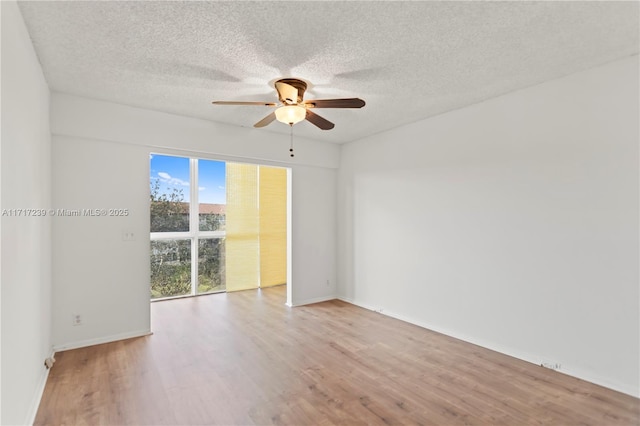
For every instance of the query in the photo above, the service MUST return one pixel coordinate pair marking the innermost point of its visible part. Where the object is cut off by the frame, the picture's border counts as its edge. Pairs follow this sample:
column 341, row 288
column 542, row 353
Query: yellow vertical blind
column 242, row 225
column 256, row 226
column 273, row 226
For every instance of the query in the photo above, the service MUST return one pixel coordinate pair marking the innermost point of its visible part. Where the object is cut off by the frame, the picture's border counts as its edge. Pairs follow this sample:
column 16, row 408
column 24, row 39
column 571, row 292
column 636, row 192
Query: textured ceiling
column 407, row 60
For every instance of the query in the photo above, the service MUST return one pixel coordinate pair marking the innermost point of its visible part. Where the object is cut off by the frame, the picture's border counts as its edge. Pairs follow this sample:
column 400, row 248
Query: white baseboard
column 314, row 300
column 37, row 396
column 101, row 340
column 534, row 359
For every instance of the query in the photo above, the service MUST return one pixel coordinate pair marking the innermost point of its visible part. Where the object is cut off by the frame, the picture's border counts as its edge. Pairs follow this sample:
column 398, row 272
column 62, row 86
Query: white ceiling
column 407, row 60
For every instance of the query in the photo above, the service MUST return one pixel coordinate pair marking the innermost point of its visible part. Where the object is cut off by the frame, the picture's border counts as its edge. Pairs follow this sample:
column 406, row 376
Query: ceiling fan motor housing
column 300, row 85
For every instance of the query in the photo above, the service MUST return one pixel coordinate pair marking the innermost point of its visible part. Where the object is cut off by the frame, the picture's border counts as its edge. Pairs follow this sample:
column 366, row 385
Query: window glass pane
column 169, row 181
column 170, row 268
column 211, row 195
column 211, row 271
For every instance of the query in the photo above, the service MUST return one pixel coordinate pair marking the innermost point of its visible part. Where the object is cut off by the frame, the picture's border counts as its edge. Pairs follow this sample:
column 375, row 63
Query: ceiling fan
column 293, row 109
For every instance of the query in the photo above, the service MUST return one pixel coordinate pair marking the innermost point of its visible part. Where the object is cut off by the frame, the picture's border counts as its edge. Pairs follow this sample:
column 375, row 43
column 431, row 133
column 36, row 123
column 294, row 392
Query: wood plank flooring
column 245, row 358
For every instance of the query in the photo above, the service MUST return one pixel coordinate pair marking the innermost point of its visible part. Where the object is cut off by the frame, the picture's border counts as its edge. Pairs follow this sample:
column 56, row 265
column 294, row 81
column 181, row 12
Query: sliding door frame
column 194, row 234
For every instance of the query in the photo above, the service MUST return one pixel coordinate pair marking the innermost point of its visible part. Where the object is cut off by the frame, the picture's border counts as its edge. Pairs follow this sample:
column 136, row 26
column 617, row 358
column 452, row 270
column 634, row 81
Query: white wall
column 97, row 274
column 101, row 160
column 512, row 224
column 314, row 242
column 26, row 241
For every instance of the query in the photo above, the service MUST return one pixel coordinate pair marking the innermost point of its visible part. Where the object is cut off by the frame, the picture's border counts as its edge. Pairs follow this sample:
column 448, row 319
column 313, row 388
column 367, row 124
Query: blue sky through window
column 211, row 182
column 173, row 172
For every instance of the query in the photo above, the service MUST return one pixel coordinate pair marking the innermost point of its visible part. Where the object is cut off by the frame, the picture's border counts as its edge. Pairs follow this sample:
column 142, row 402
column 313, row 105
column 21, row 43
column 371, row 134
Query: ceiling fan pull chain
column 291, row 145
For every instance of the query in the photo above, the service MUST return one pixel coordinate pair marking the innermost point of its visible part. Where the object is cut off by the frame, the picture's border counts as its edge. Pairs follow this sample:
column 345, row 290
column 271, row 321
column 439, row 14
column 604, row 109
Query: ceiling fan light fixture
column 291, row 114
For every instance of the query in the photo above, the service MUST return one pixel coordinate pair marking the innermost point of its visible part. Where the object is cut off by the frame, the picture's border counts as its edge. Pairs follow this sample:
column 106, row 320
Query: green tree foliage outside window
column 170, row 268
column 211, row 271
column 171, row 259
column 212, row 222
column 169, row 212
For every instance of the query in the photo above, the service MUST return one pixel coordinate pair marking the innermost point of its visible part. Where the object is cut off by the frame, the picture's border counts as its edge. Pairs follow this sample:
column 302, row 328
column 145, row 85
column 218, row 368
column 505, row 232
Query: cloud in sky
column 201, row 188
column 166, row 178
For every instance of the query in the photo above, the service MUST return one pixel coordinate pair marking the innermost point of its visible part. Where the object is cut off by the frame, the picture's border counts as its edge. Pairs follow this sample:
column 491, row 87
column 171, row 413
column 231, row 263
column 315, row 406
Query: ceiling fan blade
column 335, row 103
column 266, row 121
column 318, row 121
column 287, row 93
column 271, row 104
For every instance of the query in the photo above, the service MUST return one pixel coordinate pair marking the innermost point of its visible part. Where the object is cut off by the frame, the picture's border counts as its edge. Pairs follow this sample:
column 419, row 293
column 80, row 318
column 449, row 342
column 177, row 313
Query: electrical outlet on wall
column 128, row 236
column 76, row 319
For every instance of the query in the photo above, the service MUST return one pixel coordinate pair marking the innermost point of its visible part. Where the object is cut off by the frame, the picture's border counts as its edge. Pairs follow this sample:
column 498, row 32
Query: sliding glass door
column 215, row 226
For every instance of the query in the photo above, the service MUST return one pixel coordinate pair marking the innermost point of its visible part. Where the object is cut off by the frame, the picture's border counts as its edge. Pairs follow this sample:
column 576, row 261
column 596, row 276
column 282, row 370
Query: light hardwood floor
column 246, row 358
